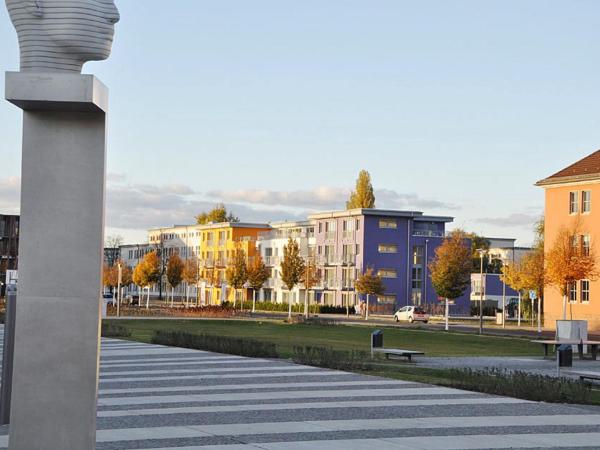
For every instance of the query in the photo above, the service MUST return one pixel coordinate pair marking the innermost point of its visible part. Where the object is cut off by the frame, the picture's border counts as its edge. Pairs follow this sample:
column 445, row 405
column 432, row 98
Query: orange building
column 218, row 243
column 573, row 196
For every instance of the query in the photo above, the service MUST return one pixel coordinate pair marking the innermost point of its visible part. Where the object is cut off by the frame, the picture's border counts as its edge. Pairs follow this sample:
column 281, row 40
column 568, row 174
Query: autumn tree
column 369, row 283
column 292, row 268
column 174, row 273
column 362, row 196
column 191, row 276
column 569, row 261
column 237, row 273
column 450, row 269
column 109, row 276
column 147, row 273
column 258, row 274
column 218, row 214
column 310, row 278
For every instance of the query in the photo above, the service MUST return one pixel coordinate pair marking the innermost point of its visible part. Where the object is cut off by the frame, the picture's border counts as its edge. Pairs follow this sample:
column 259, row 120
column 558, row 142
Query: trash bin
column 565, row 355
column 499, row 318
column 377, row 339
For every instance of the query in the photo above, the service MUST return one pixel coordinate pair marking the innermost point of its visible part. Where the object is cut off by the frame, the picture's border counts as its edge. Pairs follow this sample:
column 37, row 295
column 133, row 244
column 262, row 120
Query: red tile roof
column 586, row 168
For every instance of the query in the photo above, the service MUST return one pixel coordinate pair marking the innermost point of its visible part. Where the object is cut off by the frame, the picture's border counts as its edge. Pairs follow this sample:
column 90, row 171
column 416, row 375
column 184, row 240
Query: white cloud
column 512, row 220
column 322, row 197
column 325, row 197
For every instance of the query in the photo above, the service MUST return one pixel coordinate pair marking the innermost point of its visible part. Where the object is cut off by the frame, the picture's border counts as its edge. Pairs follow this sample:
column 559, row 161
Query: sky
column 455, row 108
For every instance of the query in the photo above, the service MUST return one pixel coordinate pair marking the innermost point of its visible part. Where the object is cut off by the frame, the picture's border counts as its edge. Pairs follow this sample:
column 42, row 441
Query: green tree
column 450, row 269
column 174, row 273
column 237, row 273
column 369, row 283
column 258, row 274
column 292, row 268
column 363, row 196
column 218, row 214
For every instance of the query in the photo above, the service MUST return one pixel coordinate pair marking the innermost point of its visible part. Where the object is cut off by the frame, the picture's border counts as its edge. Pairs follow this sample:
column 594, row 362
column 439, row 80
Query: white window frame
column 583, row 293
column 574, row 202
column 586, row 204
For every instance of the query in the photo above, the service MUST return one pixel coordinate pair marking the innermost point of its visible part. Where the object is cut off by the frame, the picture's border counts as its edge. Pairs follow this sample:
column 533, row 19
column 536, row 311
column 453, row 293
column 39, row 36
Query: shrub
column 219, row 344
column 212, row 311
column 113, row 330
column 487, row 310
column 522, row 385
column 326, row 309
column 332, row 359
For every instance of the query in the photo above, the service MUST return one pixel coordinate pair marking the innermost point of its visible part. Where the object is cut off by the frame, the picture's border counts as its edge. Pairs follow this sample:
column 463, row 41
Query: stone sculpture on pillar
column 61, row 35
column 57, row 332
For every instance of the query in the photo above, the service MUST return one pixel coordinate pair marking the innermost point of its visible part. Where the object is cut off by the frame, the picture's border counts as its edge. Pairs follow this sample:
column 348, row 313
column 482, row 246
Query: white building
column 270, row 246
column 505, row 250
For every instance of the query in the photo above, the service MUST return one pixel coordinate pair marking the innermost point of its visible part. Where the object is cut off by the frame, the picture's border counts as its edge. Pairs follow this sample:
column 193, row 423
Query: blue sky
column 455, row 108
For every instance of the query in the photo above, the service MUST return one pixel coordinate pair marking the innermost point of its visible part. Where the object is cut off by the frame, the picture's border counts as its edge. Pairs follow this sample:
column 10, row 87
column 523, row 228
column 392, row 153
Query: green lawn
column 346, row 337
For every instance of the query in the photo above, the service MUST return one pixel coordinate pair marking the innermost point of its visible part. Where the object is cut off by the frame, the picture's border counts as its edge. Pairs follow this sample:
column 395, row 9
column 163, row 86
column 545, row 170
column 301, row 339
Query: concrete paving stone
column 156, row 397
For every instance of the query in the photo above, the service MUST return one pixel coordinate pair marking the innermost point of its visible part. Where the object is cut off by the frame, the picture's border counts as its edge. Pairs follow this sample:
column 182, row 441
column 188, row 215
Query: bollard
column 7, row 354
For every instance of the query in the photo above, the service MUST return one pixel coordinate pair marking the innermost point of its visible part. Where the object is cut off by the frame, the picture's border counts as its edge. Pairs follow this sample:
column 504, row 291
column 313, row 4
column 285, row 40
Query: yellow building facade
column 218, row 244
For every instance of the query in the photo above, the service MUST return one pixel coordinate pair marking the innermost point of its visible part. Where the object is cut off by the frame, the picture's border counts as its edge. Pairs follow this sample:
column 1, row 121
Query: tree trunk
column 519, row 311
column 254, row 300
column 187, row 294
column 306, row 303
column 289, row 304
column 446, row 314
column 565, row 307
column 539, row 317
column 148, row 299
column 367, row 309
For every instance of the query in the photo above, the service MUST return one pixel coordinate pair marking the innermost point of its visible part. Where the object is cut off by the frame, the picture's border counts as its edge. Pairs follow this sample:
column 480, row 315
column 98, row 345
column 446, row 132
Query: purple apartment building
column 398, row 245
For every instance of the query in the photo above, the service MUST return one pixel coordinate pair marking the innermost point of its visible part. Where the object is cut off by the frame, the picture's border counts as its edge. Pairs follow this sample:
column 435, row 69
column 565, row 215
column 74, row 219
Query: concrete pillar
column 62, row 215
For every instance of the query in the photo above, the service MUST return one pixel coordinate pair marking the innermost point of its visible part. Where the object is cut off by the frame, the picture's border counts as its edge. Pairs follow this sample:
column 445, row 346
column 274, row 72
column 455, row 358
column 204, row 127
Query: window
column 585, row 290
column 585, row 245
column 348, row 225
column 417, row 285
column 586, row 201
column 387, row 248
column 387, row 298
column 387, row 273
column 388, row 223
column 357, row 224
column 572, row 292
column 573, row 203
column 418, row 252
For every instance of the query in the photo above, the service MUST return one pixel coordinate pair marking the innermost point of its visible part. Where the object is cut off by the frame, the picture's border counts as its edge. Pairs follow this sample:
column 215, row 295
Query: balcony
column 207, row 262
column 336, row 260
column 272, row 260
column 222, row 262
column 428, row 233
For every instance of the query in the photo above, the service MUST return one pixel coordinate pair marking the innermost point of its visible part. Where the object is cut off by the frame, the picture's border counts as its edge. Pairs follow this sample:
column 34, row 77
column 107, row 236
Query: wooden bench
column 584, row 375
column 398, row 352
column 579, row 343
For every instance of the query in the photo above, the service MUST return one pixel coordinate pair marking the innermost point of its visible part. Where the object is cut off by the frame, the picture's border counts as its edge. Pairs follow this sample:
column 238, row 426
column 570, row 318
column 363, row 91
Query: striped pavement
column 161, row 398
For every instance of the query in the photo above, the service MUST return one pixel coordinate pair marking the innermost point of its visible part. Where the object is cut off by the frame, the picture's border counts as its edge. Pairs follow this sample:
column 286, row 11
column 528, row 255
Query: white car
column 411, row 314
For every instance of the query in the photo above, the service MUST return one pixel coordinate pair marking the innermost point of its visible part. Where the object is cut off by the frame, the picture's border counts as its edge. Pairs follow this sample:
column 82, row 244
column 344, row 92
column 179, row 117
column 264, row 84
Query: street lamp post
column 119, row 278
column 481, row 253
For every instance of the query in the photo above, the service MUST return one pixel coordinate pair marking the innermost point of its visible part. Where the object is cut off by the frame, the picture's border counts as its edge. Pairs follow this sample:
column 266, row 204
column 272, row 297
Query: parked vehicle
column 411, row 314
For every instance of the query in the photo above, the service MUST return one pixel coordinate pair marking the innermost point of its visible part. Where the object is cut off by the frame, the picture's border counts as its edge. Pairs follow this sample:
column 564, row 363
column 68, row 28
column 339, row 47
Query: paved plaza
column 154, row 397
